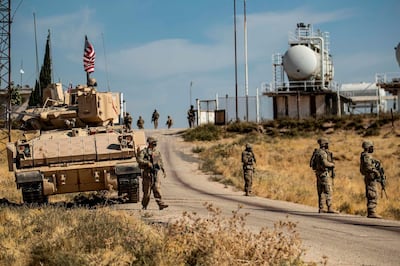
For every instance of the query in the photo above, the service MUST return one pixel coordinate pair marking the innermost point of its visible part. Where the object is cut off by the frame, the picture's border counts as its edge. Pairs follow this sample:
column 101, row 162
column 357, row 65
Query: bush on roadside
column 242, row 127
column 207, row 132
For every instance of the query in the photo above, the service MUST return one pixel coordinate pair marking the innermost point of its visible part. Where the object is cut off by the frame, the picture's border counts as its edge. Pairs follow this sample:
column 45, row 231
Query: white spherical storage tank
column 301, row 63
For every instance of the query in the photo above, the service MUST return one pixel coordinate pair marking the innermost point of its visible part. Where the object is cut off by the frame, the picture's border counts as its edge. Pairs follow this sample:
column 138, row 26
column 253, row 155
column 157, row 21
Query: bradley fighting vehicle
column 78, row 148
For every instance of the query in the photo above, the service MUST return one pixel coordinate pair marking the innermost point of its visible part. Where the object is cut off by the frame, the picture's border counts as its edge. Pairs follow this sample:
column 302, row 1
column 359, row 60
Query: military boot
column 373, row 214
column 331, row 210
column 162, row 206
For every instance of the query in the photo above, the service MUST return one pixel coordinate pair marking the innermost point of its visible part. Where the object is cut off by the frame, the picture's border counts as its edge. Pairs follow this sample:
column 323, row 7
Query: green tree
column 34, row 99
column 16, row 98
column 44, row 77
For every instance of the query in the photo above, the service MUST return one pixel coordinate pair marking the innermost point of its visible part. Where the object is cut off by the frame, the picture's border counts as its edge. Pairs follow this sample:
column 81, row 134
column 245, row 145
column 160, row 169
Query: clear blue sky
column 152, row 49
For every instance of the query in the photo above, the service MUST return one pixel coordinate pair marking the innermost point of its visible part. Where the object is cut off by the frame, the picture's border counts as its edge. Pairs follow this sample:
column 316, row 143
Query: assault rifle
column 155, row 167
column 382, row 177
column 332, row 169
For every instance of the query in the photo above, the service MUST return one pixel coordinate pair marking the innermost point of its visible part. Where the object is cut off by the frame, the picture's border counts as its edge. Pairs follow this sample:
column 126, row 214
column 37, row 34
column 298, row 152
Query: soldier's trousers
column 324, row 190
column 371, row 192
column 248, row 178
column 150, row 184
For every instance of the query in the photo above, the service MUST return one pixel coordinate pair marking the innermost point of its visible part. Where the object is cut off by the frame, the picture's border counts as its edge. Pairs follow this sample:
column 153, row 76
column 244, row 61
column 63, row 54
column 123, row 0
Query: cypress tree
column 44, row 77
column 34, row 99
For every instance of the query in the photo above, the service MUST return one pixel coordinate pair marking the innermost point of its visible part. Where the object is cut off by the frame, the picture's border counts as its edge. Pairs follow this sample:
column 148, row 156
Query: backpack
column 363, row 171
column 315, row 159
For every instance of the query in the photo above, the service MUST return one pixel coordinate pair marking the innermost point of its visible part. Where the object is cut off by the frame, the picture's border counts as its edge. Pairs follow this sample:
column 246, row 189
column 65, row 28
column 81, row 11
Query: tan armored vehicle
column 96, row 155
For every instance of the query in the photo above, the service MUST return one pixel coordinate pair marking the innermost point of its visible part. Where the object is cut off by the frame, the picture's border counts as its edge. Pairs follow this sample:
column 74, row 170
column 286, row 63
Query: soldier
column 323, row 166
column 150, row 161
column 92, row 82
column 169, row 122
column 248, row 161
column 191, row 116
column 128, row 121
column 154, row 118
column 140, row 123
column 371, row 176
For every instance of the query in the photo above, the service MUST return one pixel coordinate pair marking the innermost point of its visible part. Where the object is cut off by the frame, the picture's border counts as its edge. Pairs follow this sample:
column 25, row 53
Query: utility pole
column 5, row 52
column 37, row 57
column 236, row 84
column 246, row 76
column 190, row 93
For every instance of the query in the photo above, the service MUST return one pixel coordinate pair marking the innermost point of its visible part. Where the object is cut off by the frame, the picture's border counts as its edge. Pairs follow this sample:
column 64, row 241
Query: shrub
column 207, row 132
column 215, row 240
column 242, row 127
column 198, row 149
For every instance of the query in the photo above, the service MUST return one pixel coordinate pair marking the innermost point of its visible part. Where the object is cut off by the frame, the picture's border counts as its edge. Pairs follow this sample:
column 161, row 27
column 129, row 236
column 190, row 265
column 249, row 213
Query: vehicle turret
column 81, row 106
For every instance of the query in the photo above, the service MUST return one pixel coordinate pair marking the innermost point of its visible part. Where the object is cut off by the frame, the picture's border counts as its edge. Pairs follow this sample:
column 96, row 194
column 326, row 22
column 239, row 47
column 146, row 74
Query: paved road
column 344, row 239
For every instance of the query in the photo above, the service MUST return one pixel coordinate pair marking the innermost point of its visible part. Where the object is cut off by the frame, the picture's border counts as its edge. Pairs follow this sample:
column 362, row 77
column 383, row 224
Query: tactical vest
column 248, row 158
column 152, row 156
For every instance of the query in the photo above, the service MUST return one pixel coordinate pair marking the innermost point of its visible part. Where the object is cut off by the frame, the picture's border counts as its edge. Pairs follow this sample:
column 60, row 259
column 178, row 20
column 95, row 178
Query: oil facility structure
column 390, row 82
column 309, row 90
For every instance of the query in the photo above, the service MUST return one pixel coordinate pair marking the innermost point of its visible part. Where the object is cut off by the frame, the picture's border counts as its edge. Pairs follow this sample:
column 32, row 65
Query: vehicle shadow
column 83, row 200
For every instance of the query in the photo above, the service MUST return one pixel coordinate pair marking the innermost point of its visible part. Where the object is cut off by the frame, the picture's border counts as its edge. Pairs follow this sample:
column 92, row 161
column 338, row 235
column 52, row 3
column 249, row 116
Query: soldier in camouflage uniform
column 154, row 118
column 150, row 161
column 248, row 161
column 191, row 115
column 371, row 176
column 128, row 121
column 323, row 166
column 169, row 122
column 140, row 123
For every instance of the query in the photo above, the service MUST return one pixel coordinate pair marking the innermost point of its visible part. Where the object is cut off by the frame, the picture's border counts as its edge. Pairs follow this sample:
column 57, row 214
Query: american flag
column 89, row 56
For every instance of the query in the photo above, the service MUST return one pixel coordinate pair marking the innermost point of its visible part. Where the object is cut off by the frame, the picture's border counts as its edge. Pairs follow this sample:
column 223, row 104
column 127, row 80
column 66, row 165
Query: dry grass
column 283, row 172
column 217, row 241
column 8, row 188
column 58, row 236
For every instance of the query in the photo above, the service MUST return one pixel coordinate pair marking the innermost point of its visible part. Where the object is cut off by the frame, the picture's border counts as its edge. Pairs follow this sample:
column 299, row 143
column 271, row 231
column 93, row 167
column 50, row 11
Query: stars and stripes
column 89, row 56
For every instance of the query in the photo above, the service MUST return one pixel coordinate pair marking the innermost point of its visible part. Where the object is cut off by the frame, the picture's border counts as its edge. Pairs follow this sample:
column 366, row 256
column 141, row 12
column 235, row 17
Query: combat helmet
column 92, row 82
column 151, row 140
column 322, row 141
column 248, row 146
column 366, row 144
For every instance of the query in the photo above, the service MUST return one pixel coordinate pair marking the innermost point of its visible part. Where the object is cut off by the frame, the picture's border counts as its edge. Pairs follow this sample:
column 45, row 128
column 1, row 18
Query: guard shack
column 390, row 82
column 209, row 113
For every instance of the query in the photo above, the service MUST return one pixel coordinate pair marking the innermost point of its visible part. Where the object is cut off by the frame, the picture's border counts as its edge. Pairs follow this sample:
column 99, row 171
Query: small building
column 367, row 97
column 390, row 82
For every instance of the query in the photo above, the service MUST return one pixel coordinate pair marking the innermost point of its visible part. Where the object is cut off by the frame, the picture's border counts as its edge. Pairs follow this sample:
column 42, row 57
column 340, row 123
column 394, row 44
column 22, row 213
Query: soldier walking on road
column 322, row 164
column 169, row 122
column 371, row 177
column 154, row 118
column 150, row 161
column 128, row 121
column 248, row 161
column 140, row 123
